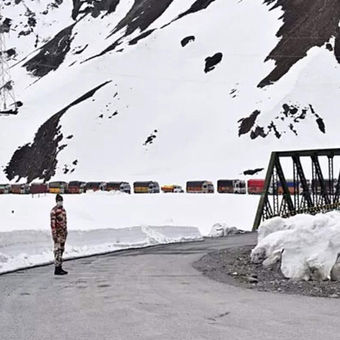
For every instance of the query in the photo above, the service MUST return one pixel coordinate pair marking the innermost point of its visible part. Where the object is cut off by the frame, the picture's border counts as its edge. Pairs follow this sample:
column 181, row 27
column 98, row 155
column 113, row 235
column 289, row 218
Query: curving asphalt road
column 154, row 293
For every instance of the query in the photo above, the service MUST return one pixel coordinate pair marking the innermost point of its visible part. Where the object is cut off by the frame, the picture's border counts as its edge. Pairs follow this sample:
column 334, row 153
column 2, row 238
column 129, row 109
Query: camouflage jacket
column 58, row 221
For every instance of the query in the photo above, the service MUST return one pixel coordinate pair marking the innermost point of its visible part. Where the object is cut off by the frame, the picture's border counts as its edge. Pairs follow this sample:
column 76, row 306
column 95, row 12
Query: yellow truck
column 57, row 187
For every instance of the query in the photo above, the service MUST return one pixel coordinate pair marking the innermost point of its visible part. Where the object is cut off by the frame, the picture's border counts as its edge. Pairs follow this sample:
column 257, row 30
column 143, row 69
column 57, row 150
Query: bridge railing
column 285, row 199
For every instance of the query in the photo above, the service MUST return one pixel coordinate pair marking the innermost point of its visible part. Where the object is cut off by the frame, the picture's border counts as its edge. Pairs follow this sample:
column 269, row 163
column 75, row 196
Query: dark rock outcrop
column 186, row 40
column 141, row 15
column 39, row 159
column 247, row 123
column 140, row 37
column 306, row 24
column 291, row 115
column 93, row 7
column 150, row 138
column 52, row 54
column 211, row 62
column 197, row 6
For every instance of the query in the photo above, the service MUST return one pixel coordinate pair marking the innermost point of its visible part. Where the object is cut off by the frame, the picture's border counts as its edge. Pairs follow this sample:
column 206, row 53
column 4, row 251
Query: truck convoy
column 224, row 186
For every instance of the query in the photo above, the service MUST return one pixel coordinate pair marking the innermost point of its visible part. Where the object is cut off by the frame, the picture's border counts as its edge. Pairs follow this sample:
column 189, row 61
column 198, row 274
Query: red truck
column 255, row 186
column 38, row 188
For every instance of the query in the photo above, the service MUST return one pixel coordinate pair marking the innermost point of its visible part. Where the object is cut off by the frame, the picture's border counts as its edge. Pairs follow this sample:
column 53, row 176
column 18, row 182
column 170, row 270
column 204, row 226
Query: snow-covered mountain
column 166, row 89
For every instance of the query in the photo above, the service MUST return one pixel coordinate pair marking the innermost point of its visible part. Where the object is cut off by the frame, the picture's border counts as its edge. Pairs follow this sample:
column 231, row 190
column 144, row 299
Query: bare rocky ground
column 233, row 266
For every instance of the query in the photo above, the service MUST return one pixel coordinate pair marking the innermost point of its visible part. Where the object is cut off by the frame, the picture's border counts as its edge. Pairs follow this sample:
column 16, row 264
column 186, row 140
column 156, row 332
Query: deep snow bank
column 114, row 210
column 307, row 245
column 26, row 248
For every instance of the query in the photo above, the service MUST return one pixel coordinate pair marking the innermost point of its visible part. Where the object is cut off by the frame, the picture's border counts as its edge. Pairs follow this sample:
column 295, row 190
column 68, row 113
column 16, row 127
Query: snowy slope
column 156, row 84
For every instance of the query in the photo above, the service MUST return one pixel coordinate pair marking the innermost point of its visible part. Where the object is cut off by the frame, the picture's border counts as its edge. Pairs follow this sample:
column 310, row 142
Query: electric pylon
column 8, row 104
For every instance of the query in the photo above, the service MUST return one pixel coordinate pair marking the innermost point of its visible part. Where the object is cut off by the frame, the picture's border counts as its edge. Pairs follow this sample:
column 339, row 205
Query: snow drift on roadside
column 26, row 248
column 309, row 244
column 107, row 221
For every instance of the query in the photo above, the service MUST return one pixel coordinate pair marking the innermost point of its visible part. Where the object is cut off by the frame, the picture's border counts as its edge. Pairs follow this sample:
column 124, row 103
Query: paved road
column 154, row 293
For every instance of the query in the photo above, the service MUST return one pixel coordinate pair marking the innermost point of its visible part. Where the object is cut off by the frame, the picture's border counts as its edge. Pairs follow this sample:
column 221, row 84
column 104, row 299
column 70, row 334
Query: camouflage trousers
column 59, row 247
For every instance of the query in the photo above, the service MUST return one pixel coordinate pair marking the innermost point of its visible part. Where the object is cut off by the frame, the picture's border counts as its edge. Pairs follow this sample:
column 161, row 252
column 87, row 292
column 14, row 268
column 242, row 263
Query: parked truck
column 255, row 186
column 231, row 186
column 118, row 186
column 76, row 187
column 146, row 187
column 172, row 188
column 96, row 186
column 58, row 187
column 201, row 187
column 20, row 189
column 5, row 188
column 315, row 186
column 38, row 188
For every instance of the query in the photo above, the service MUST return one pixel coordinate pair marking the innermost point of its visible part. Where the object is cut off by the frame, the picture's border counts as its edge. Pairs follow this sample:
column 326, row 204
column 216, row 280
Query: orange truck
column 172, row 188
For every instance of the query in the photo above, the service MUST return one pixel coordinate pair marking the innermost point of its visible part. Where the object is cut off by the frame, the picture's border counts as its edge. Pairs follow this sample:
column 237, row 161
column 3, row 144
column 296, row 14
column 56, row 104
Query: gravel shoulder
column 233, row 266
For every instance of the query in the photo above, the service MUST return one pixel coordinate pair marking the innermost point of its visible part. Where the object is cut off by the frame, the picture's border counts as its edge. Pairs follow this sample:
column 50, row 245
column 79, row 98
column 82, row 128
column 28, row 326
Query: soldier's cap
column 59, row 198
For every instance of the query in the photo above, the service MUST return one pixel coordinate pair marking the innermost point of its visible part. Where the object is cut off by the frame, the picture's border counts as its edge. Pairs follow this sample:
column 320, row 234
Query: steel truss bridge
column 321, row 194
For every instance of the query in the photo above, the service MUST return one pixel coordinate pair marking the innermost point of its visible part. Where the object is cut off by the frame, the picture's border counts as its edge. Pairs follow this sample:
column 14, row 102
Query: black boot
column 63, row 272
column 59, row 271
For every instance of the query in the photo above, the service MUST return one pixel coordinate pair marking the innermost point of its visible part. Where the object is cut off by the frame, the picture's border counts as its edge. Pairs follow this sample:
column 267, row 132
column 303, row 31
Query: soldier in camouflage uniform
column 59, row 234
